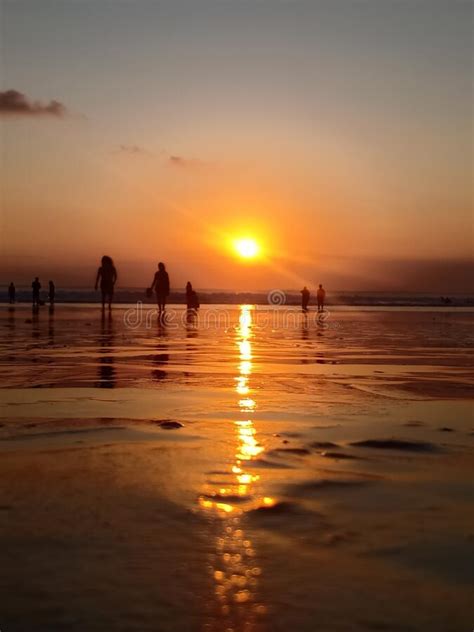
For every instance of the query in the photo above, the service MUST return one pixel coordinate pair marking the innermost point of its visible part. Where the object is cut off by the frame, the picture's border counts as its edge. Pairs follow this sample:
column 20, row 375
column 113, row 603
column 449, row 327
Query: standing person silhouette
column 305, row 294
column 36, row 287
column 107, row 275
column 51, row 293
column 321, row 296
column 161, row 285
column 11, row 292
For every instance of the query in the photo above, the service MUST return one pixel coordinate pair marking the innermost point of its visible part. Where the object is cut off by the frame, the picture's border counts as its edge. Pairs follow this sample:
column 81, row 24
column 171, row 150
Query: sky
column 336, row 133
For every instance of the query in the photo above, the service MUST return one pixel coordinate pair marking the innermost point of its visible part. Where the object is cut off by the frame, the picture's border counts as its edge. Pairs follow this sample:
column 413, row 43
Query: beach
column 244, row 469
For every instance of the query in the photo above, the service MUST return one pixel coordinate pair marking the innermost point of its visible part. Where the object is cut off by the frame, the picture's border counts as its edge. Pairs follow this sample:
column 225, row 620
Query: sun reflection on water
column 235, row 572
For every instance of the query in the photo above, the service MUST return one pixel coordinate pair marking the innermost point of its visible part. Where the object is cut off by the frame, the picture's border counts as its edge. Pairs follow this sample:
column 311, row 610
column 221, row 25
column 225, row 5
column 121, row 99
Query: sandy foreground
column 250, row 469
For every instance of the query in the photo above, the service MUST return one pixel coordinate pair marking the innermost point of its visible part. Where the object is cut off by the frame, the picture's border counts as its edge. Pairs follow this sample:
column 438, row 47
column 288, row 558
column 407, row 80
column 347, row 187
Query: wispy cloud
column 162, row 155
column 183, row 163
column 132, row 150
column 14, row 103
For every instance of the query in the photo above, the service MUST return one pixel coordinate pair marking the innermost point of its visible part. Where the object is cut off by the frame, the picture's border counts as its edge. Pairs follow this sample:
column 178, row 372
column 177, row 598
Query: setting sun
column 246, row 248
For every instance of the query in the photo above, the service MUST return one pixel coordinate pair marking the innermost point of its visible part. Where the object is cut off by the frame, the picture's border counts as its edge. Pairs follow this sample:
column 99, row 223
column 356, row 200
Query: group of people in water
column 36, row 287
column 320, row 297
column 106, row 279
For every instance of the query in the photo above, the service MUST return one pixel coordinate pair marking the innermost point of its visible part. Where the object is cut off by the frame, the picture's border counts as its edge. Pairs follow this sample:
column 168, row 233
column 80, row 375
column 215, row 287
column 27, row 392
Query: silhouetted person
column 192, row 299
column 107, row 275
column 305, row 298
column 51, row 293
column 161, row 285
column 11, row 293
column 321, row 296
column 36, row 287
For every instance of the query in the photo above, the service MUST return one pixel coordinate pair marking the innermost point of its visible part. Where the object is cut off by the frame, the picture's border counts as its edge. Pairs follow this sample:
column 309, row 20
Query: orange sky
column 339, row 155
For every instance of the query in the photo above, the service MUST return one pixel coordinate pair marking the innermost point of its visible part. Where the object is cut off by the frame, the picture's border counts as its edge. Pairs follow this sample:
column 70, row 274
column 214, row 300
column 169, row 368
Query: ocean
column 264, row 297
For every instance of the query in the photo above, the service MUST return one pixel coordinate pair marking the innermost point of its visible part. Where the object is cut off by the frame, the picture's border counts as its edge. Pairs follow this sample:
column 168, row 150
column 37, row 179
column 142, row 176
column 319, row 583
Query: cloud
column 132, row 149
column 183, row 163
column 172, row 160
column 14, row 103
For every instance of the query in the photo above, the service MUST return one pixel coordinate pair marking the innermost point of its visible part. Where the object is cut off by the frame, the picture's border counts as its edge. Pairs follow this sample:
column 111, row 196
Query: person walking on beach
column 11, row 293
column 321, row 296
column 107, row 275
column 51, row 293
column 161, row 285
column 192, row 299
column 36, row 287
column 305, row 294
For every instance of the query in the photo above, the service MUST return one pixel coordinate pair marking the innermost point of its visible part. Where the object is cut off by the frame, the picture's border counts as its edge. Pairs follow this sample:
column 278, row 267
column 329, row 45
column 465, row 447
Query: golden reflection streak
column 234, row 571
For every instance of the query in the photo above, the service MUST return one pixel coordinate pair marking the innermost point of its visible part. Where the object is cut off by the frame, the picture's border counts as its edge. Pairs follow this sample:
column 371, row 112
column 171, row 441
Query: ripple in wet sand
column 59, row 433
column 396, row 444
column 168, row 424
column 323, row 445
column 339, row 456
column 227, row 498
column 326, row 484
column 279, row 508
column 271, row 465
column 290, row 451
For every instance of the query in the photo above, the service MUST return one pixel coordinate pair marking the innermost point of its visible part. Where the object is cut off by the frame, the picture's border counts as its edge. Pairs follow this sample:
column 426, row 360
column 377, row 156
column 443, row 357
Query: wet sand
column 250, row 470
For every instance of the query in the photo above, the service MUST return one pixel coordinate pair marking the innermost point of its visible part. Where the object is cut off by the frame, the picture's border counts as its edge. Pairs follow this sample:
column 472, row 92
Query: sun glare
column 246, row 248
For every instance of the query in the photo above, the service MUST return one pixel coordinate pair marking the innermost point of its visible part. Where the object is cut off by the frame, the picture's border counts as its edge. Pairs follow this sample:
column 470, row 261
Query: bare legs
column 104, row 299
column 161, row 302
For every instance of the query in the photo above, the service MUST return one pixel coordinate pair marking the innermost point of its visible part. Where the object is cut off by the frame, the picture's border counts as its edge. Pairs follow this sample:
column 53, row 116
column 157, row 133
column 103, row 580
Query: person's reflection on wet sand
column 191, row 326
column 321, row 355
column 191, row 323
column 305, row 327
column 35, row 330
column 11, row 318
column 51, row 325
column 162, row 358
column 305, row 336
column 106, row 371
column 51, row 293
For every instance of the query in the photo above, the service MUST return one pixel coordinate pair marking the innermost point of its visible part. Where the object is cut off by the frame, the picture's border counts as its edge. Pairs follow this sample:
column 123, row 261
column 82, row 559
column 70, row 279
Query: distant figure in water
column 11, row 293
column 51, row 293
column 161, row 285
column 321, row 296
column 36, row 287
column 107, row 275
column 305, row 298
column 192, row 299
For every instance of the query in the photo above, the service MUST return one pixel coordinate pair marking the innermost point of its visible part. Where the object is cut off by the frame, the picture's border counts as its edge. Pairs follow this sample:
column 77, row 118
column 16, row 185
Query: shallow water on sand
column 319, row 478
